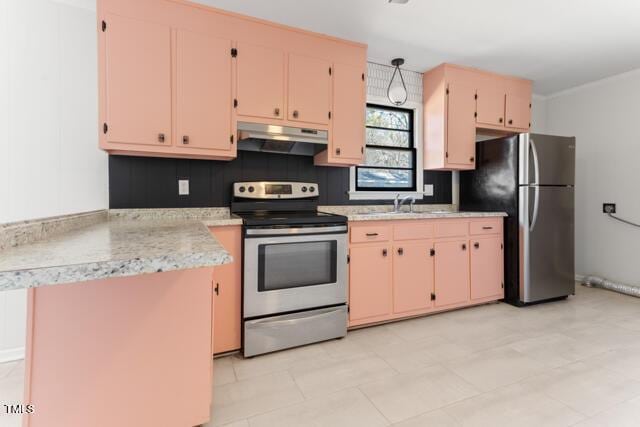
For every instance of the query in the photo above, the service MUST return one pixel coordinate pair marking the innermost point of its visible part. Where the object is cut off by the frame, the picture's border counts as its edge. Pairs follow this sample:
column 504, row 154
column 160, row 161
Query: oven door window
column 292, row 265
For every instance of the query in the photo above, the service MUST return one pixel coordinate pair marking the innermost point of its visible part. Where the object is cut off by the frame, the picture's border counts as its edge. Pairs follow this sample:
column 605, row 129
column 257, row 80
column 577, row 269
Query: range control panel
column 275, row 190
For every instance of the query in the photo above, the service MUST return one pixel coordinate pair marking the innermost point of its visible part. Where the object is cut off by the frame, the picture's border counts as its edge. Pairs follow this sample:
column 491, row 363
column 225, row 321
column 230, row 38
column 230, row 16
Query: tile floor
column 568, row 363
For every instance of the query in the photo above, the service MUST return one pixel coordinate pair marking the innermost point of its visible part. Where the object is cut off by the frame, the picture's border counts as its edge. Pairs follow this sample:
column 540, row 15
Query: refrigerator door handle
column 536, row 163
column 536, row 205
column 536, row 178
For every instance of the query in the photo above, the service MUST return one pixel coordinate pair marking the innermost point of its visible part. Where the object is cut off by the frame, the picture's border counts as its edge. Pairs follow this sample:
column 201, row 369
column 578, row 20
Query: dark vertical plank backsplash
column 148, row 182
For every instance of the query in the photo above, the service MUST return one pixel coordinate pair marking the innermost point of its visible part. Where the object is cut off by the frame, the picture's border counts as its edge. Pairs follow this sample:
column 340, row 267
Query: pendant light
column 397, row 90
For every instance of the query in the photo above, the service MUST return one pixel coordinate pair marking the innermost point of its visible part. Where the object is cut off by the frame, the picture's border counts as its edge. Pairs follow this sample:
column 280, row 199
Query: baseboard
column 11, row 354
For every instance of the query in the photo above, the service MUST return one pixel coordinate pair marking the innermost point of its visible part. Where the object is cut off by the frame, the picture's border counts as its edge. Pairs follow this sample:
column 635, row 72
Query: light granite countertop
column 127, row 242
column 385, row 212
column 115, row 246
column 388, row 216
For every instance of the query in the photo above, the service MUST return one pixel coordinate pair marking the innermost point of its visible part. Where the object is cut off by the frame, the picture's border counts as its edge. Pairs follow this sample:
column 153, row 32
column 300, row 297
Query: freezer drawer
column 546, row 243
column 291, row 330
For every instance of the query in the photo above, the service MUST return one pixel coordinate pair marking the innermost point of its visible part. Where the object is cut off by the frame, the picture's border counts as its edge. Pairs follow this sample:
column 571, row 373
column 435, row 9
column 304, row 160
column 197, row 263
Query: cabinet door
column 486, row 268
column 518, row 111
column 309, row 89
column 203, row 92
column 461, row 126
column 451, row 272
column 227, row 292
column 412, row 277
column 348, row 116
column 260, row 81
column 490, row 101
column 369, row 282
column 137, row 81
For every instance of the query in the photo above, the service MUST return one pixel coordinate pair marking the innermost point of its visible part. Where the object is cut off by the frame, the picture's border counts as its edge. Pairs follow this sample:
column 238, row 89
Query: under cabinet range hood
column 281, row 139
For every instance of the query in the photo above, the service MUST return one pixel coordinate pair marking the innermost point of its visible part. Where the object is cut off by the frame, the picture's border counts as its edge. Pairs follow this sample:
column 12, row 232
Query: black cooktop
column 283, row 218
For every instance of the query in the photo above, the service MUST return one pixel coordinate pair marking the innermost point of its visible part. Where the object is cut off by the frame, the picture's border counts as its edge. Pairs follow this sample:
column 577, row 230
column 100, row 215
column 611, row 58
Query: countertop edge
column 85, row 272
column 423, row 215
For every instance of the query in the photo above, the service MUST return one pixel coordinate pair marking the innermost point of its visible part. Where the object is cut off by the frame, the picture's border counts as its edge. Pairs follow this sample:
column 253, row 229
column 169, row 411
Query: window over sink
column 392, row 163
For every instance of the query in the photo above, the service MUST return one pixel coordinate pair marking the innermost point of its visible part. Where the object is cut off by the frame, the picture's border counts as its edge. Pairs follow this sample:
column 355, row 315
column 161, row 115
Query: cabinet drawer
column 413, row 231
column 490, row 226
column 451, row 229
column 373, row 233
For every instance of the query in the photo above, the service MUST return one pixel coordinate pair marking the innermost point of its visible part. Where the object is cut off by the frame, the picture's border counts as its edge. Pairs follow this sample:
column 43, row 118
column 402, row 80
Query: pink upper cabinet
column 309, row 89
column 347, row 127
column 490, row 94
column 203, row 102
column 137, row 67
column 260, row 81
column 518, row 112
column 461, row 129
column 175, row 78
column 458, row 101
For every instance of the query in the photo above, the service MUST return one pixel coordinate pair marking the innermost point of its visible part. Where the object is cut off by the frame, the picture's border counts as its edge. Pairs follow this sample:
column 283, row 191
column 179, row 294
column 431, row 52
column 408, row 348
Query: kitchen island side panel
column 133, row 351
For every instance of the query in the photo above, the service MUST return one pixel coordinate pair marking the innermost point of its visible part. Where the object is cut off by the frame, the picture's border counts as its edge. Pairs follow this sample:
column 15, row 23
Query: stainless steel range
column 294, row 266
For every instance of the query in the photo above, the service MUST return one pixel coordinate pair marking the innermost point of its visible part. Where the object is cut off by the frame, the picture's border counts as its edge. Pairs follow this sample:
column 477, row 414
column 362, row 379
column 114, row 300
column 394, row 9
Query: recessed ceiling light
column 399, row 1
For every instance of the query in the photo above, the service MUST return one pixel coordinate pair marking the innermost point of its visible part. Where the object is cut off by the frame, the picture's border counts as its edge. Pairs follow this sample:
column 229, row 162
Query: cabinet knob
column 500, row 120
column 510, row 121
column 476, row 245
column 276, row 112
column 400, row 251
column 217, row 289
column 384, row 252
column 337, row 151
column 161, row 137
column 185, row 139
column 471, row 159
column 295, row 114
column 464, row 246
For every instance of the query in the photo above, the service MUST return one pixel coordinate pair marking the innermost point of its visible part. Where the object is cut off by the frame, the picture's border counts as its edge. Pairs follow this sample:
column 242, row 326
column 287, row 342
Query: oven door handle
column 299, row 317
column 295, row 231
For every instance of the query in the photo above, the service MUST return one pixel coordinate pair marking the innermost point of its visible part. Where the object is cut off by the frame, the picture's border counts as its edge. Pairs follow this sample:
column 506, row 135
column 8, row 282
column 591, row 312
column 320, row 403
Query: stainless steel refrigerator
column 531, row 177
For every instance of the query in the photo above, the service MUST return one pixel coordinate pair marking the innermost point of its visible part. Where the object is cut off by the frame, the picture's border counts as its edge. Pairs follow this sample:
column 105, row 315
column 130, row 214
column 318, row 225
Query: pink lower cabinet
column 412, row 276
column 487, row 278
column 227, row 292
column 430, row 265
column 451, row 272
column 370, row 282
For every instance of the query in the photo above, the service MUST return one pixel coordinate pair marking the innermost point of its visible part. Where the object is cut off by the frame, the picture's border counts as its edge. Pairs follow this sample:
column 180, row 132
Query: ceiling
column 557, row 43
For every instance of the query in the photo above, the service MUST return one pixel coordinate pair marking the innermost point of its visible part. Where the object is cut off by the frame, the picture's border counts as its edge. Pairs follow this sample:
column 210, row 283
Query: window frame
column 411, row 149
column 386, row 193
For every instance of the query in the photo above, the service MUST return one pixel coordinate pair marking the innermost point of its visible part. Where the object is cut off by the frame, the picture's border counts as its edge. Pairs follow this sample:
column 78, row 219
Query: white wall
column 538, row 114
column 604, row 117
column 49, row 158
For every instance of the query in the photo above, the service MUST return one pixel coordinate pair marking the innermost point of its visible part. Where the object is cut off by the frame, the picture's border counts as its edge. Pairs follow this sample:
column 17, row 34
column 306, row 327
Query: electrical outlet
column 183, row 187
column 428, row 190
column 609, row 208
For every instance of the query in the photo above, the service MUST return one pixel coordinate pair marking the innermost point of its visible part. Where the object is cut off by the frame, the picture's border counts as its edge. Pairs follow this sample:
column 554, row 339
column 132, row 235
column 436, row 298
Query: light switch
column 428, row 189
column 183, row 187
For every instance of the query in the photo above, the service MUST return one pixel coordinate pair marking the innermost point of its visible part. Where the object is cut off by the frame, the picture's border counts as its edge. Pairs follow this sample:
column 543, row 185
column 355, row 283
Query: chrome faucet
column 397, row 203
